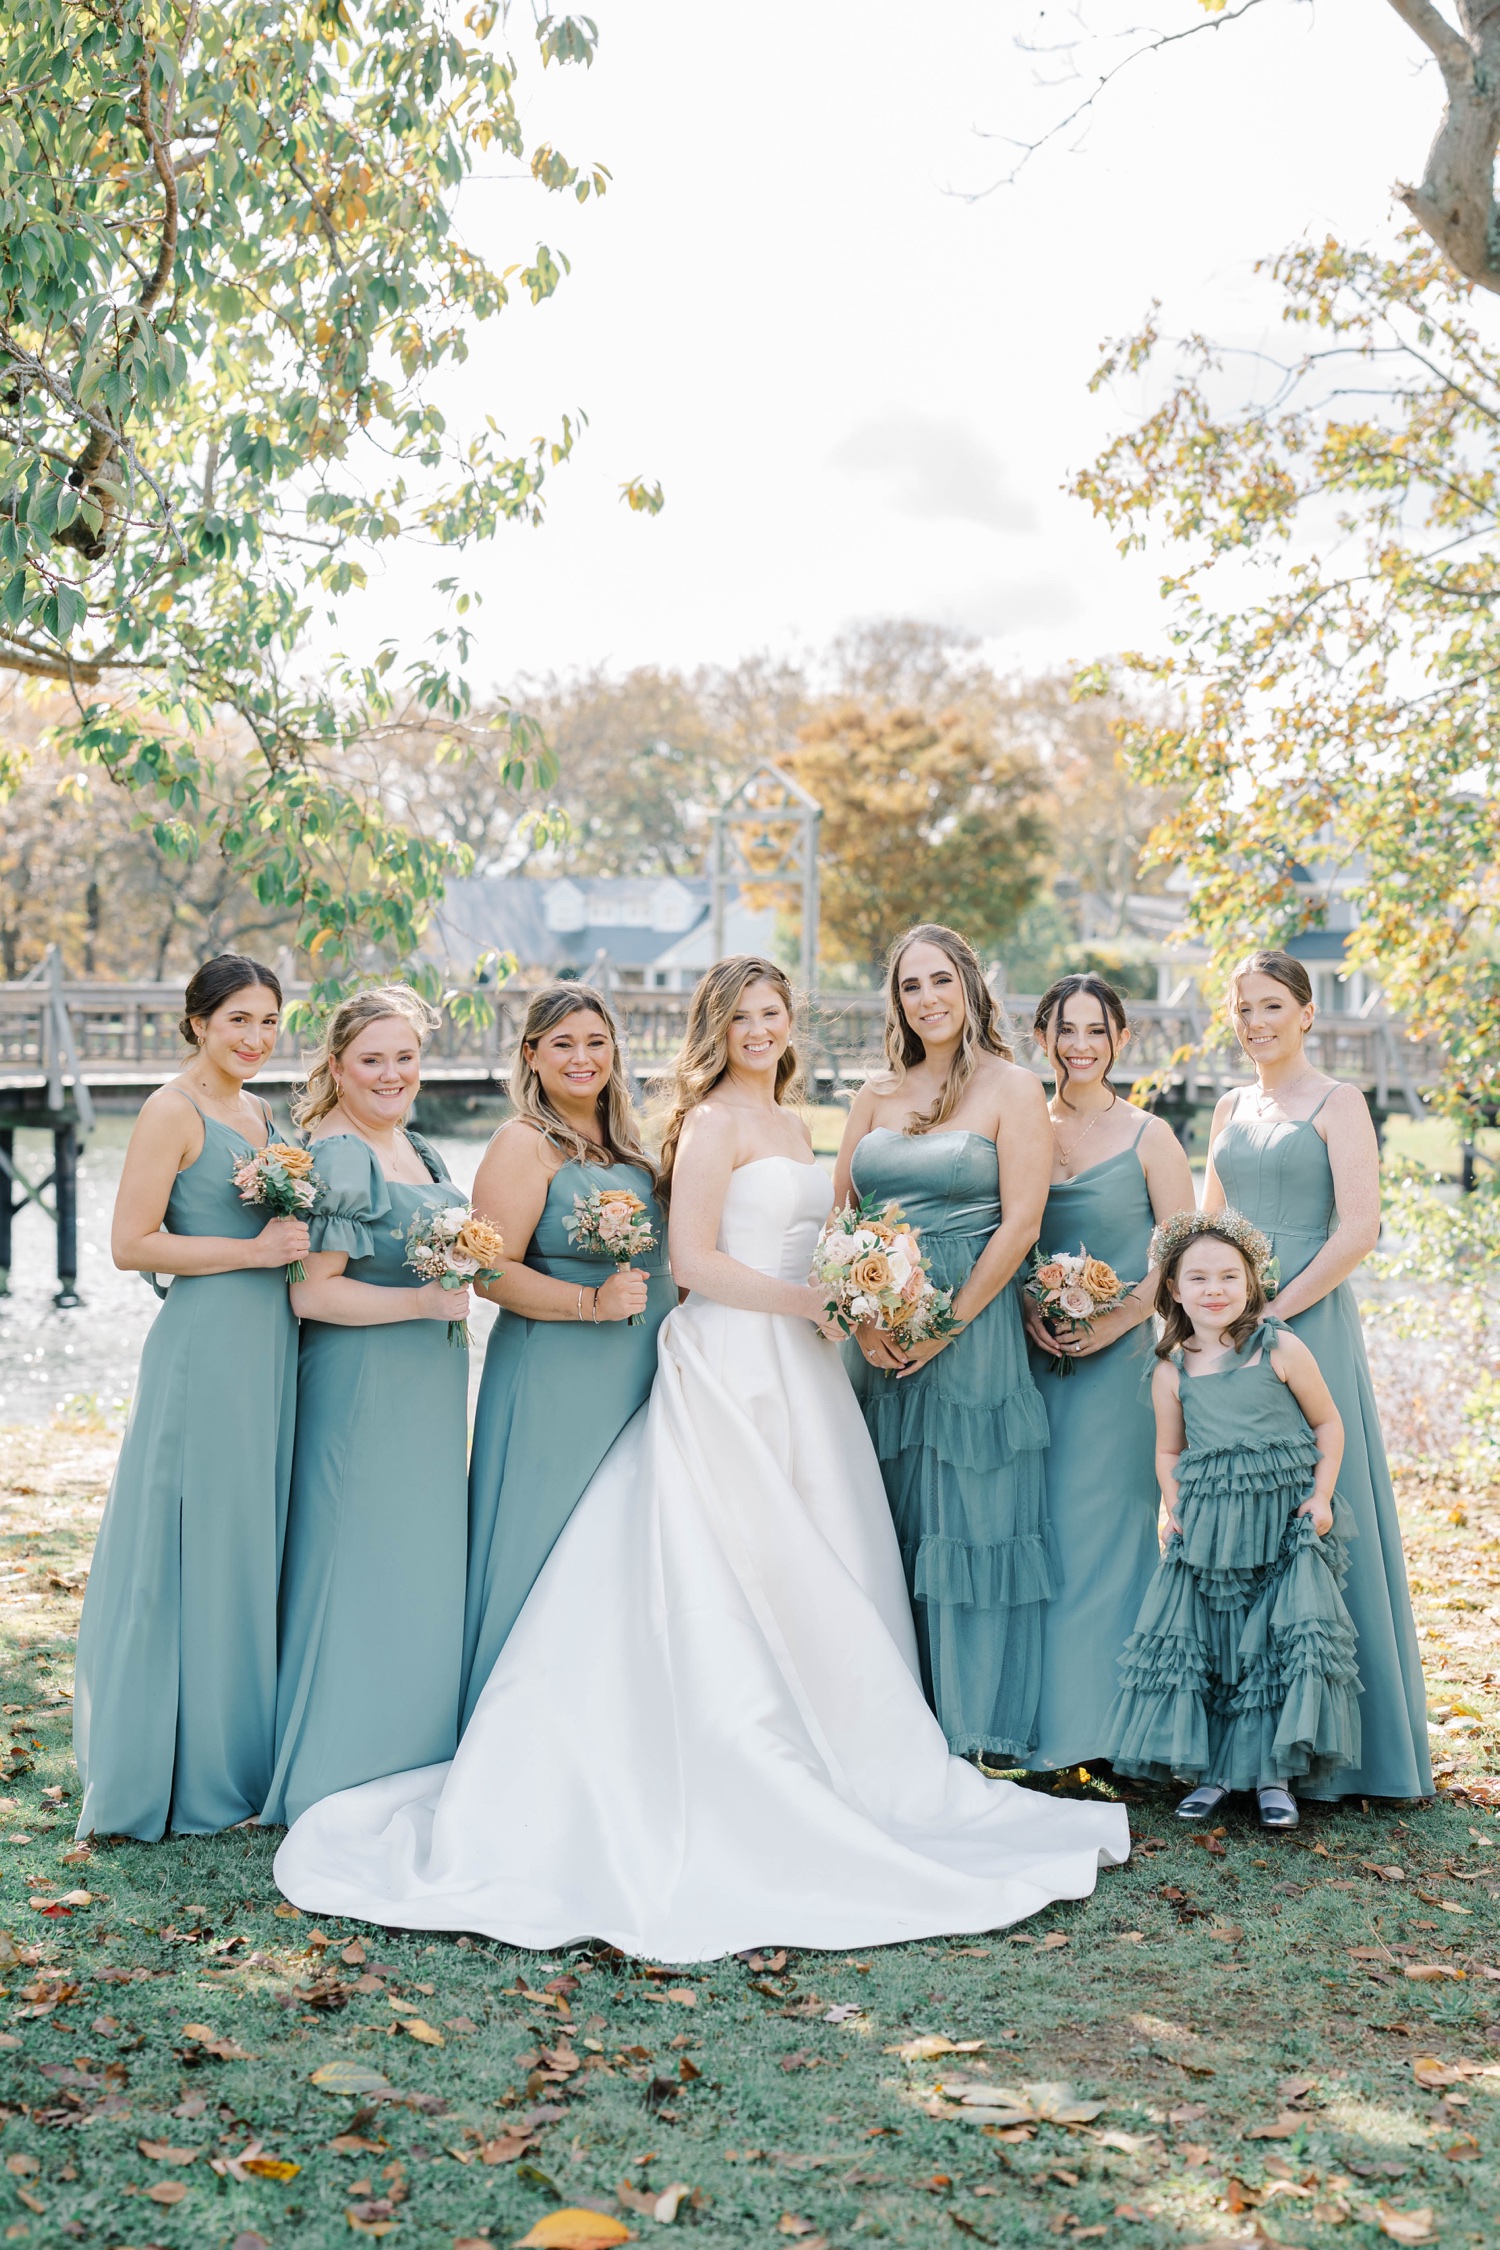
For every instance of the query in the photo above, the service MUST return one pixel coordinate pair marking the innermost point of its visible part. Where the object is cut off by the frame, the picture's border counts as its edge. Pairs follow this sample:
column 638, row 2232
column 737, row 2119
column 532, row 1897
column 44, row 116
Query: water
column 50, row 1358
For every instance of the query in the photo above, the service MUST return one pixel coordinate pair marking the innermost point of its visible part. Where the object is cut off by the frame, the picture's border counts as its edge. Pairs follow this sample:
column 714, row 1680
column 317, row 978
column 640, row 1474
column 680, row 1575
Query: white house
column 656, row 932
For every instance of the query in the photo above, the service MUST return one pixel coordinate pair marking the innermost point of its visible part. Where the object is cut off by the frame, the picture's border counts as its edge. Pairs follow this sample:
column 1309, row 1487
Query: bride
column 705, row 1731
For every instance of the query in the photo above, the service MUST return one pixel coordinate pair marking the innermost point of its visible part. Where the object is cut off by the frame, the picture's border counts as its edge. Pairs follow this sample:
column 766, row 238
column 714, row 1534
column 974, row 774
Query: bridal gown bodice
column 705, row 1730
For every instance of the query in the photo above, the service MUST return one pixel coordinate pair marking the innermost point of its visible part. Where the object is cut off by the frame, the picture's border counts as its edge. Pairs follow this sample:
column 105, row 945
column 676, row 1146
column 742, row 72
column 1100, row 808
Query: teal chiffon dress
column 960, row 1445
column 1241, row 1670
column 553, row 1398
column 1278, row 1173
column 174, row 1702
column 1102, row 1497
column 372, row 1589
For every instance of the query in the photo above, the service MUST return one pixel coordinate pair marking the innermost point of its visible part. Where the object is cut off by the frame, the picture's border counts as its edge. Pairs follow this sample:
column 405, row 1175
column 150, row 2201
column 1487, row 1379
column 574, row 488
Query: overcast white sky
column 862, row 393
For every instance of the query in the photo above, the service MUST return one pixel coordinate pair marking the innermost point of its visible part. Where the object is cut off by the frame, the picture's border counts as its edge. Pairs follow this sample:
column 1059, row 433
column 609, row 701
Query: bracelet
column 580, row 1301
column 596, row 1307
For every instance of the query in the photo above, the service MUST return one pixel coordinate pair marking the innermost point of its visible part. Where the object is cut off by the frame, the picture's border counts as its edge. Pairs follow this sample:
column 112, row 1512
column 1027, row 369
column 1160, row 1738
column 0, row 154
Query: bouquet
column 279, row 1180
column 612, row 1223
column 452, row 1246
column 1071, row 1289
column 872, row 1274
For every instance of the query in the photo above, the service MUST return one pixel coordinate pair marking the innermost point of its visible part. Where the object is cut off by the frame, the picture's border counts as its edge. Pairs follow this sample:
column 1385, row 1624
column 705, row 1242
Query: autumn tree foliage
column 1333, row 579
column 924, row 816
column 230, row 277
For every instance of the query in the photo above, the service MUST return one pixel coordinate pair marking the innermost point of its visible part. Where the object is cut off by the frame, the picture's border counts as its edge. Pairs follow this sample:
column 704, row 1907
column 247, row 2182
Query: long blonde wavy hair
column 984, row 1025
column 550, row 1005
column 704, row 1055
column 349, row 1019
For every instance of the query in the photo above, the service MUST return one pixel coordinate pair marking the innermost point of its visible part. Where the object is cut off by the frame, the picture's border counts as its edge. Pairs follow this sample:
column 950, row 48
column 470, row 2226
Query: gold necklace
column 1065, row 1156
column 1261, row 1097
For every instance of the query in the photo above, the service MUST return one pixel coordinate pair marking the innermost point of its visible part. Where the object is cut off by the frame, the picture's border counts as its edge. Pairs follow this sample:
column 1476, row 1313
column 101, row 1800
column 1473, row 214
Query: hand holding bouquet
column 279, row 1180
column 453, row 1247
column 612, row 1223
column 872, row 1273
column 1070, row 1290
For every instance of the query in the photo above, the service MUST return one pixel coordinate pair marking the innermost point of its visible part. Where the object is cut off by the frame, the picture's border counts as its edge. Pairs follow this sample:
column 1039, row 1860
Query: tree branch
column 1435, row 32
column 1454, row 204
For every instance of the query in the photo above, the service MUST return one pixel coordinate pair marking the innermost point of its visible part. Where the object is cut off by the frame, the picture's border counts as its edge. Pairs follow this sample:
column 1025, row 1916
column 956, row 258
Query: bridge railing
column 127, row 1034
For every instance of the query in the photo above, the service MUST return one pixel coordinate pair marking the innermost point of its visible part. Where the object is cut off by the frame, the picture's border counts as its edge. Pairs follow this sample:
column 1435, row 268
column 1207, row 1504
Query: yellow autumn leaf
column 576, row 2230
column 197, row 2031
column 270, row 2167
column 422, row 2031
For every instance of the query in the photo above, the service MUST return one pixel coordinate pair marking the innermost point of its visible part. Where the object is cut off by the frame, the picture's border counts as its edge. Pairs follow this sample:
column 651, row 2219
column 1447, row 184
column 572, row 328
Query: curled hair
column 1272, row 962
column 219, row 980
column 984, row 1026
column 1170, row 1244
column 704, row 1055
column 1056, row 998
column 548, row 1006
column 349, row 1019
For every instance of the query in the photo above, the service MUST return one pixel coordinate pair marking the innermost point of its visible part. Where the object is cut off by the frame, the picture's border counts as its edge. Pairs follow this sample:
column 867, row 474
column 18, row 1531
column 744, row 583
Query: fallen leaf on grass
column 576, row 2230
column 670, row 2201
column 422, row 2031
column 1187, row 2113
column 1462, row 2151
column 1286, row 2126
column 1386, row 1874
column 1429, row 2071
column 1195, row 2152
column 22, row 2167
column 1052, row 1941
column 350, row 2078
column 1402, row 2226
column 933, row 2044
column 1130, row 1937
column 354, row 1954
column 1295, row 2089
column 373, row 2216
column 270, row 2167
column 790, row 2223
column 32, row 2203
column 1129, row 2144
column 843, row 2011
column 168, row 2191
column 684, row 1996
column 509, row 2148
column 1431, row 1972
column 162, row 2152
column 1226, row 1933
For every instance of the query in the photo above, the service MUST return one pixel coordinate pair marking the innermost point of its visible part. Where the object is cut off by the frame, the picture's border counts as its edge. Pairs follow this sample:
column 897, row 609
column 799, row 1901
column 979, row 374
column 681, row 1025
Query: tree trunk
column 1454, row 202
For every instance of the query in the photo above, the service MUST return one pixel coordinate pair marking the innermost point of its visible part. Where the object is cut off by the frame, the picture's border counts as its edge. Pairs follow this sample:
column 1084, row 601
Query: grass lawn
column 1237, row 2018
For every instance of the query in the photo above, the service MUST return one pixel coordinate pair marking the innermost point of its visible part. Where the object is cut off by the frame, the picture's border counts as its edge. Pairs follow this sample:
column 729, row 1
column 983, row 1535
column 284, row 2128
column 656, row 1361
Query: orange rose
column 478, row 1240
column 1049, row 1277
column 1101, row 1281
column 623, row 1196
column 295, row 1161
column 871, row 1273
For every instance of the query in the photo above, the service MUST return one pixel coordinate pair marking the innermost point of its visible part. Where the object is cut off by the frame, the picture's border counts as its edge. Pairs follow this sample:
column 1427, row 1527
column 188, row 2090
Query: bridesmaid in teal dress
column 1298, row 1156
column 957, row 1134
column 174, row 1703
column 1116, row 1171
column 372, row 1591
column 573, row 1354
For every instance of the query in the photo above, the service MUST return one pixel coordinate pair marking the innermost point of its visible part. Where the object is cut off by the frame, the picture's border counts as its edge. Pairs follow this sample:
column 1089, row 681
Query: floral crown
column 1173, row 1236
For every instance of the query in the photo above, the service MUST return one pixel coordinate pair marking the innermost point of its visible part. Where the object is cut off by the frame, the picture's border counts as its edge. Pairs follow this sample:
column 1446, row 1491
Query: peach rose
column 1049, row 1276
column 1100, row 1280
column 621, row 1196
column 872, row 1272
column 478, row 1240
column 296, row 1162
column 1076, row 1303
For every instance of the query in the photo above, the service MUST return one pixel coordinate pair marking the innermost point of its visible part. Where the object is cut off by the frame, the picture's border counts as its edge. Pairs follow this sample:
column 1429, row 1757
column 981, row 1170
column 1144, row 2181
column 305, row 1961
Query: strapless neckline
column 954, row 1133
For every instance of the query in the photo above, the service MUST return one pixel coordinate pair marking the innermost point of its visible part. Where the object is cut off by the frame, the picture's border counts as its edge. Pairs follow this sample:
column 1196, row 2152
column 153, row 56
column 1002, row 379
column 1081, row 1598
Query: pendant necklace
column 1065, row 1156
column 1261, row 1096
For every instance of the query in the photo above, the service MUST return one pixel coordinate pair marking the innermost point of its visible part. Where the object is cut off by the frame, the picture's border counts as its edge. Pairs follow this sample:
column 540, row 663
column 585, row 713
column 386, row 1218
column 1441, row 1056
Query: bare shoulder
column 1345, row 1105
column 711, row 1128
column 520, row 1145
column 1290, row 1356
column 1164, row 1382
column 1019, row 1092
column 168, row 1118
column 1224, row 1109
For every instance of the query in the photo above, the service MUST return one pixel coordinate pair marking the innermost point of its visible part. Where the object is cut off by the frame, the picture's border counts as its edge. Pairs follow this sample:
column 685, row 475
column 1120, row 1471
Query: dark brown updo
column 219, row 980
column 1068, row 988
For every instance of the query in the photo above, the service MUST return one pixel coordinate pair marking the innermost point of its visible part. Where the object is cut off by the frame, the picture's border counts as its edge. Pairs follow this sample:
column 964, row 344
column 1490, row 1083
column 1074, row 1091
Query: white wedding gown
column 705, row 1731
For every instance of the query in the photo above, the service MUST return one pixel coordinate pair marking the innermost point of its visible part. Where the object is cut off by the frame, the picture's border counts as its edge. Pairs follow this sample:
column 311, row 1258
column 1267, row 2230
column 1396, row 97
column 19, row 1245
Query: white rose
column 449, row 1221
column 839, row 1250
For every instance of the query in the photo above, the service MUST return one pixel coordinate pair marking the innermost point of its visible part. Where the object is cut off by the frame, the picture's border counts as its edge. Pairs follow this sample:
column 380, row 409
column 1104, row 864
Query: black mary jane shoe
column 1202, row 1803
column 1278, row 1808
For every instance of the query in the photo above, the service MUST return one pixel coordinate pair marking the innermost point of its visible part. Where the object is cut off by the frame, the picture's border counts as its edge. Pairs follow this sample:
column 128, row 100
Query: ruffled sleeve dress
column 372, row 1590
column 1241, row 1669
column 961, row 1445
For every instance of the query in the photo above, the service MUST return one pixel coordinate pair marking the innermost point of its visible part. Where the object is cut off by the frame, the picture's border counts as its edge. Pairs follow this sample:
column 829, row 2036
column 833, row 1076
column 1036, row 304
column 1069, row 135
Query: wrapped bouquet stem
column 453, row 1246
column 279, row 1180
column 612, row 1223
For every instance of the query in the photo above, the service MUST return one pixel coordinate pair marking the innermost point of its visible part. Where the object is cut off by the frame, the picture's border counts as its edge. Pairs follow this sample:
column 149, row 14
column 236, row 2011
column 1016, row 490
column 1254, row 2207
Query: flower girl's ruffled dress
column 1241, row 1669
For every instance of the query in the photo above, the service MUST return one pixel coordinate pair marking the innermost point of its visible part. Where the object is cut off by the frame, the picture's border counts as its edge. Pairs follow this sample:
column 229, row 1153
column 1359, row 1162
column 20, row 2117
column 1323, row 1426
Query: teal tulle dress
column 1277, row 1172
column 553, row 1398
column 960, row 1445
column 174, row 1702
column 1241, row 1670
column 1102, row 1496
column 372, row 1590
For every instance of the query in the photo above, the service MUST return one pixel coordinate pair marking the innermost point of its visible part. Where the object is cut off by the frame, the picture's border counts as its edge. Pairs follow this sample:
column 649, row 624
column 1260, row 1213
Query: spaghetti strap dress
column 1102, row 1495
column 372, row 1591
column 553, row 1398
column 174, row 1701
column 1241, row 1669
column 960, row 1445
column 1277, row 1172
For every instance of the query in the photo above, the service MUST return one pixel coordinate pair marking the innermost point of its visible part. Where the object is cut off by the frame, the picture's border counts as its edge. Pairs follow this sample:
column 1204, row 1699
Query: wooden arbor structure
column 766, row 837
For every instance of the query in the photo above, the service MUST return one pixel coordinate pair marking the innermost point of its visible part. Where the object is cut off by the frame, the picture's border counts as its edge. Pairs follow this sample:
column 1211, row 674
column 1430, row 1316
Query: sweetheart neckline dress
column 705, row 1731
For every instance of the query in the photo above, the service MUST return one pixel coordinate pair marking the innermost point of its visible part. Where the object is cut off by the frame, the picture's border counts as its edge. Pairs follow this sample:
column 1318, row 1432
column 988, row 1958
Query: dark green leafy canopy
column 229, row 273
column 1335, row 646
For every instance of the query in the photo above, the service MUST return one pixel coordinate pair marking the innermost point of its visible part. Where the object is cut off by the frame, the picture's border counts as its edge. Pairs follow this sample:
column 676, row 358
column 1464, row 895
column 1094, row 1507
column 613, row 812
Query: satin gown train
column 705, row 1731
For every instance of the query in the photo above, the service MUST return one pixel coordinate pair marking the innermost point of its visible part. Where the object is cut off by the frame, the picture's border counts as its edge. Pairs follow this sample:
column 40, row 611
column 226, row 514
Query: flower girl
column 1240, row 1673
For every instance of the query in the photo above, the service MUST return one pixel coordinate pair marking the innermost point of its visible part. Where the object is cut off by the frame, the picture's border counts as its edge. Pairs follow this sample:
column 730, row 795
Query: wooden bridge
column 67, row 1048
